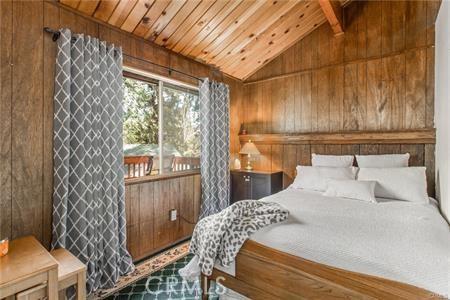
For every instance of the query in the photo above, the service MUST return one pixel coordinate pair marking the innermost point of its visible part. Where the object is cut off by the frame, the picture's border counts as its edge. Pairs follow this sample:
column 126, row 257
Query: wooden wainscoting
column 148, row 205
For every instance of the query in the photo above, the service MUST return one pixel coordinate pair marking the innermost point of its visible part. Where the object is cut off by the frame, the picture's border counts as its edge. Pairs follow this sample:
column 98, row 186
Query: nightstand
column 28, row 267
column 254, row 184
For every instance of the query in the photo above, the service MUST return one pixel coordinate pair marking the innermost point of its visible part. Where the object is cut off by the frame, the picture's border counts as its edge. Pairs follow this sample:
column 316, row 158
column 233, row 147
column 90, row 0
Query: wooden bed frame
column 266, row 273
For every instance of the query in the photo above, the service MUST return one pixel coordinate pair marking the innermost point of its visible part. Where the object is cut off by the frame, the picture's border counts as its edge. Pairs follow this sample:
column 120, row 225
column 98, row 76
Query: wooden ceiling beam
column 333, row 13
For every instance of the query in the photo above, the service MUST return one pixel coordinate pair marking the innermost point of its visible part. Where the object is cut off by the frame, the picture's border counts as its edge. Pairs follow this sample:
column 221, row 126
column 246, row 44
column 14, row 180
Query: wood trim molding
column 419, row 136
column 150, row 178
column 333, row 13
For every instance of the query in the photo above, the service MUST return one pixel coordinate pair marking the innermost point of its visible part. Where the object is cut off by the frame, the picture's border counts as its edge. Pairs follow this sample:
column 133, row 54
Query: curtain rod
column 56, row 34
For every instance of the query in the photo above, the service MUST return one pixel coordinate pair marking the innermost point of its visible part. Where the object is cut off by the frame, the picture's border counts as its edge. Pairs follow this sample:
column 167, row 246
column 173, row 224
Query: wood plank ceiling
column 228, row 34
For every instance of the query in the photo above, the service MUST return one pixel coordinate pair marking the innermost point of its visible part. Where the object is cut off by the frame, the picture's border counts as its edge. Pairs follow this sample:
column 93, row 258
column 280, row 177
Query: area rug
column 144, row 269
column 165, row 284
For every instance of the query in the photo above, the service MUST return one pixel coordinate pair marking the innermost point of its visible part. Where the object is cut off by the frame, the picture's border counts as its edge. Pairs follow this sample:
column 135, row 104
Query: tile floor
column 162, row 284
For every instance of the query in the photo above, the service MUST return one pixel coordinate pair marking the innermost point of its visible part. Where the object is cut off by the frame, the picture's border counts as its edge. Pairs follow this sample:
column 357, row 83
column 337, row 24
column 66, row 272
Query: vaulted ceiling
column 237, row 36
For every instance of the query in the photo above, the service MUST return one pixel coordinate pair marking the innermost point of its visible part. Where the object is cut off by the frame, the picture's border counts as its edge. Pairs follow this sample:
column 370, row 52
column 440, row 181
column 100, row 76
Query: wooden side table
column 28, row 265
column 71, row 272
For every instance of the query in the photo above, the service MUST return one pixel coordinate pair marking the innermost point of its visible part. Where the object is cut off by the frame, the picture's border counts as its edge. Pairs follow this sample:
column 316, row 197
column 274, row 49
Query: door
column 260, row 186
column 240, row 187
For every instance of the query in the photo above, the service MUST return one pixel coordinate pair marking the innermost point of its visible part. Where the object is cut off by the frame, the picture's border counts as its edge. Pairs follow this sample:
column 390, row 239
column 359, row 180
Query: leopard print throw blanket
column 220, row 236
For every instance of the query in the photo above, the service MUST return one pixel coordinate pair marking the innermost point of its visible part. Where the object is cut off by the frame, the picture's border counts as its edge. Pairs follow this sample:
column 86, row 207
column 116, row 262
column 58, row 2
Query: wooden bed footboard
column 266, row 273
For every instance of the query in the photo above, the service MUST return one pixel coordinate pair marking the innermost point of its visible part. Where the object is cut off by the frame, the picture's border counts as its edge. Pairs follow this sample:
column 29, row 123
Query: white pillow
column 315, row 178
column 338, row 161
column 383, row 161
column 409, row 184
column 360, row 190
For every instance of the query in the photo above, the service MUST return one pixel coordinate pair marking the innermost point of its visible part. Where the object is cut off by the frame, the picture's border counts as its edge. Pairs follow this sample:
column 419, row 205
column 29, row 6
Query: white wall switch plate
column 173, row 215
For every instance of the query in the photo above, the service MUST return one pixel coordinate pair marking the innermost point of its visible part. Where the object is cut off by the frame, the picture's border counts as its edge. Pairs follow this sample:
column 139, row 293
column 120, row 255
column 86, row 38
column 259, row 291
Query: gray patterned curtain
column 215, row 141
column 88, row 197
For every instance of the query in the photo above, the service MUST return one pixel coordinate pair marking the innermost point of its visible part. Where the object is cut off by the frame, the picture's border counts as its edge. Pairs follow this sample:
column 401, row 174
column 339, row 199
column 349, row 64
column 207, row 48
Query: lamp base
column 248, row 167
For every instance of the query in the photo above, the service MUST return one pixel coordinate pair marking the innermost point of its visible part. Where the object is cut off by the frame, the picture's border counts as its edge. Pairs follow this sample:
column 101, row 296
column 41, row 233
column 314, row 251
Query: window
column 169, row 125
column 181, row 127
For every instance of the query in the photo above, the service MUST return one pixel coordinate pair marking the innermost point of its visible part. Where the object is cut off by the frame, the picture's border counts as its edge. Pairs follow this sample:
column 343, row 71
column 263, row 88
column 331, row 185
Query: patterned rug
column 157, row 278
column 144, row 269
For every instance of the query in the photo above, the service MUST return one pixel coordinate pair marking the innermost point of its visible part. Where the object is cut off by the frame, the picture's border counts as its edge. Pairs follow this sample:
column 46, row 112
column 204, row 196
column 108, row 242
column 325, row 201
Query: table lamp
column 249, row 149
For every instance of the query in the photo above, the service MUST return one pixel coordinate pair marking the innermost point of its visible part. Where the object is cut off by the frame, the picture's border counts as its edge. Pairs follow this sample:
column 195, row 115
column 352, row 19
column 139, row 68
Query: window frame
column 135, row 76
column 151, row 78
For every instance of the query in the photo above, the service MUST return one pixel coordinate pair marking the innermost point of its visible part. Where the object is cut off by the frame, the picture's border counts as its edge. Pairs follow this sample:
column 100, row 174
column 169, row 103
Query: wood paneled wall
column 236, row 114
column 147, row 208
column 287, row 157
column 27, row 58
column 378, row 75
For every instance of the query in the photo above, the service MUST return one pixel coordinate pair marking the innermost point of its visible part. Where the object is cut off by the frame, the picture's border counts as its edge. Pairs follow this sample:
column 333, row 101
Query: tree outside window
column 180, row 126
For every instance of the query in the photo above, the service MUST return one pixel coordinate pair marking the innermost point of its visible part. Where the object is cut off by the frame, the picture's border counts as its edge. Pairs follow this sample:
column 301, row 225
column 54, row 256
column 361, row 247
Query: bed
column 342, row 248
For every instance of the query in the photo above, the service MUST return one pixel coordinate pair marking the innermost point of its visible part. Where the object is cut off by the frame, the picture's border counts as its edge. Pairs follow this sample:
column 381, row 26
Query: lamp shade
column 249, row 148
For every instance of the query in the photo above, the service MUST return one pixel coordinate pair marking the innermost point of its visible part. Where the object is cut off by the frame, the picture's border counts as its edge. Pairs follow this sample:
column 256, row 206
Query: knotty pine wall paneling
column 27, row 62
column 378, row 75
column 5, row 117
column 147, row 208
column 236, row 114
column 27, row 102
column 279, row 157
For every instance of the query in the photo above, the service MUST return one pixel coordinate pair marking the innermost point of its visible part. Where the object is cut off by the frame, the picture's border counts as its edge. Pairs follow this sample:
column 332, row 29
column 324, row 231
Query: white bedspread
column 398, row 240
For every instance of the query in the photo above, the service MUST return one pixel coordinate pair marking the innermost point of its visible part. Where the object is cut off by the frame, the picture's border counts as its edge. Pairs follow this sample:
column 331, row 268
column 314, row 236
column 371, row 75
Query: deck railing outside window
column 138, row 166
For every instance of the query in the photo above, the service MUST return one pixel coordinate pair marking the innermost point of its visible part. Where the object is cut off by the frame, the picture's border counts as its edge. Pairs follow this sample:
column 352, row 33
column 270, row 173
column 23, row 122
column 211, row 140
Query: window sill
column 130, row 181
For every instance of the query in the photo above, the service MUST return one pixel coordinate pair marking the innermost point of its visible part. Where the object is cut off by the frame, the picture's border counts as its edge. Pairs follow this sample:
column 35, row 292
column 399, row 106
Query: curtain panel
column 215, row 147
column 88, row 198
